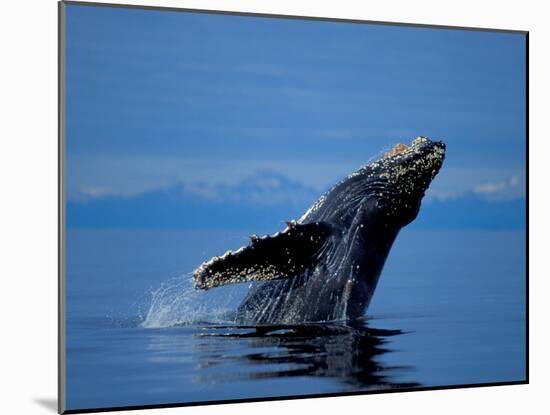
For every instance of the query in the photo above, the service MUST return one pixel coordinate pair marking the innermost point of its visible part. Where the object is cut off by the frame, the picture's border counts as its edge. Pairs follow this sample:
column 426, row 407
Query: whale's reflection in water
column 346, row 352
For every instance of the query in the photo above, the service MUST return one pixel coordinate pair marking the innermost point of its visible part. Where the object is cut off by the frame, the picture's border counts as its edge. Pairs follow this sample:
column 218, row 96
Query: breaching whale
column 325, row 266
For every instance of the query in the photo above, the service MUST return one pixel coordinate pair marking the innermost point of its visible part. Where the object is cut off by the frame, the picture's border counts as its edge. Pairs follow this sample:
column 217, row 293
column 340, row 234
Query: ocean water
column 449, row 310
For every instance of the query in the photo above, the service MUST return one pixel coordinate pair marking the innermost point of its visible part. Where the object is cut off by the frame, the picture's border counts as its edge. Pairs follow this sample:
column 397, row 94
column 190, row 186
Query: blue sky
column 159, row 98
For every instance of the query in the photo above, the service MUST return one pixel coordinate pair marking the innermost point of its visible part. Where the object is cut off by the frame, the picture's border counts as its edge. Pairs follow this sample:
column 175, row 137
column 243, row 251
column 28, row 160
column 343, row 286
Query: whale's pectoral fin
column 282, row 255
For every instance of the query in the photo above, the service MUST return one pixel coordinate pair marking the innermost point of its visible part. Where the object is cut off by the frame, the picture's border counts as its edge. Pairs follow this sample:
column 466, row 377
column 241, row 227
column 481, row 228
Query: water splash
column 177, row 302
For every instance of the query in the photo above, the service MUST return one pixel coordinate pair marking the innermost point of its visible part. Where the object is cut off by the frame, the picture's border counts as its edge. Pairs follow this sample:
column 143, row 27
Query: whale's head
column 399, row 180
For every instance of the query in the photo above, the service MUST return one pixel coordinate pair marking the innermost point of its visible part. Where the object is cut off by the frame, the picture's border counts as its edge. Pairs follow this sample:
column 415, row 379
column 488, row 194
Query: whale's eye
column 397, row 149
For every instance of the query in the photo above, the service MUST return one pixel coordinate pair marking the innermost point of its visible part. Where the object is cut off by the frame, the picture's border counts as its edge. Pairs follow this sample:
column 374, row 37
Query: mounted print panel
column 262, row 207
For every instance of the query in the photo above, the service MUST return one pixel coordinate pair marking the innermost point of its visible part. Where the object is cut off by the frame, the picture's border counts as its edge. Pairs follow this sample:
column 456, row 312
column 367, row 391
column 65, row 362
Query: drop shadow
column 48, row 403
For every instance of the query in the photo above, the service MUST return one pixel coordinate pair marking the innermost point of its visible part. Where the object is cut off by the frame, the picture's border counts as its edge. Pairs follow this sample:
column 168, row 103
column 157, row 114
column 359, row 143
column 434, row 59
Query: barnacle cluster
column 208, row 276
column 267, row 257
column 397, row 149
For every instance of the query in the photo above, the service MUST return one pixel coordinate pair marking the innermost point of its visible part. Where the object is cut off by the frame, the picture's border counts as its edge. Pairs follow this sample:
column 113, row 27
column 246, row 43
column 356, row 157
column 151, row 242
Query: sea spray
column 177, row 302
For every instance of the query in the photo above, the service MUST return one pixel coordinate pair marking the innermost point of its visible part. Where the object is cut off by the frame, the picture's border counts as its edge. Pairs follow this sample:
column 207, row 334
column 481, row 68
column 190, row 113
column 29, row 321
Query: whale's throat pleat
column 285, row 254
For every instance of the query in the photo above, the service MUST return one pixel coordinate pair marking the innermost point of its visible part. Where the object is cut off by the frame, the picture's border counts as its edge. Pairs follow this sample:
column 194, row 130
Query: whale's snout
column 424, row 144
column 409, row 171
column 438, row 147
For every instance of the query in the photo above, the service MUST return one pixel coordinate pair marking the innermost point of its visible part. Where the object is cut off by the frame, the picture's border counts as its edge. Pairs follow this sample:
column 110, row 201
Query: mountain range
column 263, row 201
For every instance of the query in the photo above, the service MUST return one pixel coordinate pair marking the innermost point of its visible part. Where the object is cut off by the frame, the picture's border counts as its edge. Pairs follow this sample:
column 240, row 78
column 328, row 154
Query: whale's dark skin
column 326, row 265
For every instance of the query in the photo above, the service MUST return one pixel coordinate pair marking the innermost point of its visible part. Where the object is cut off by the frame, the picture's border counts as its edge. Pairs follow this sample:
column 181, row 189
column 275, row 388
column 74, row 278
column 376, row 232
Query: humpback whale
column 325, row 266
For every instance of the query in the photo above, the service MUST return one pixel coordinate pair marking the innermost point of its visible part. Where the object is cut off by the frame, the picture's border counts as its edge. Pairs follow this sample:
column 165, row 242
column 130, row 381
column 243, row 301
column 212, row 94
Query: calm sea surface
column 448, row 310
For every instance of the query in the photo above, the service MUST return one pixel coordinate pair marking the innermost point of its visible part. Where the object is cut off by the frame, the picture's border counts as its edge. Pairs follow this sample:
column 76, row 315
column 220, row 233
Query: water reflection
column 346, row 352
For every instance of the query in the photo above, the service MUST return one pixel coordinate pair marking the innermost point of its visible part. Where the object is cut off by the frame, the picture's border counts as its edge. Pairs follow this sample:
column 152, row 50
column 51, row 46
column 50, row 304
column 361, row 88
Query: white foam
column 177, row 302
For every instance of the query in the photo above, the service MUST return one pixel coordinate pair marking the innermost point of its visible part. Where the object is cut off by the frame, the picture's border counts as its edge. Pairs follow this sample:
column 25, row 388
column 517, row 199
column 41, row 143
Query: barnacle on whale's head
column 397, row 149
